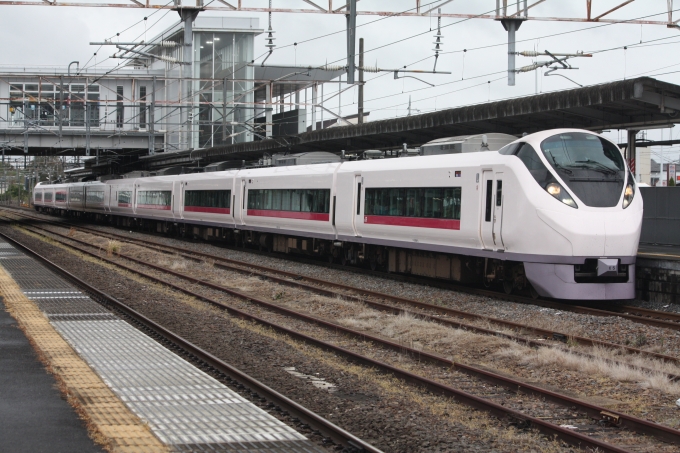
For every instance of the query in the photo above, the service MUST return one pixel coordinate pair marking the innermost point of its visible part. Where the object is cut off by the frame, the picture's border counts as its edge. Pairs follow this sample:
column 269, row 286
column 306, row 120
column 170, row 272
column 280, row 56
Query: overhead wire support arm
column 270, row 36
column 438, row 36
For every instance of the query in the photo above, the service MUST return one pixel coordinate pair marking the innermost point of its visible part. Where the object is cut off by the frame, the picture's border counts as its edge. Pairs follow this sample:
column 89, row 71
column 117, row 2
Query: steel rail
column 395, row 310
column 298, row 279
column 648, row 317
column 619, row 419
column 326, row 427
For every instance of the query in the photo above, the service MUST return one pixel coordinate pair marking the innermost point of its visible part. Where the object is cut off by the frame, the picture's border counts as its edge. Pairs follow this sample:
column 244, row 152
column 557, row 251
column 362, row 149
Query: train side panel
column 289, row 200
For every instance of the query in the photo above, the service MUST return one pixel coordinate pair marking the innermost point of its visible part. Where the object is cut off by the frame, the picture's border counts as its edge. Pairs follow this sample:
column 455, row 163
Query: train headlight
column 628, row 194
column 557, row 191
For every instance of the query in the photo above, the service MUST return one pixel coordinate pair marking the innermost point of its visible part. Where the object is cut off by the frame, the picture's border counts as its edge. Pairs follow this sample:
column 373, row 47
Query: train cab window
column 528, row 155
column 425, row 202
column 510, row 149
column 499, row 192
column 489, row 195
column 48, row 197
column 38, row 196
column 297, row 200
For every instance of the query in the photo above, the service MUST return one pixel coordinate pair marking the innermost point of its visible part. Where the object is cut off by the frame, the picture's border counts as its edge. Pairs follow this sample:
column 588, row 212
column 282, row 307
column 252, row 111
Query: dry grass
column 603, row 363
column 422, row 334
column 71, row 232
column 113, row 248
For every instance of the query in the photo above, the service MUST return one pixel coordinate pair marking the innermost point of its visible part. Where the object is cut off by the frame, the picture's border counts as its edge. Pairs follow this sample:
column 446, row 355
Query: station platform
column 133, row 394
column 659, row 252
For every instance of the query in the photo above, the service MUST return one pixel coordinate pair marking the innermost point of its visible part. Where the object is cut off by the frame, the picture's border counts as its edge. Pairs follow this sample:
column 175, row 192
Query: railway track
column 255, row 390
column 433, row 312
column 561, row 408
column 655, row 318
column 430, row 312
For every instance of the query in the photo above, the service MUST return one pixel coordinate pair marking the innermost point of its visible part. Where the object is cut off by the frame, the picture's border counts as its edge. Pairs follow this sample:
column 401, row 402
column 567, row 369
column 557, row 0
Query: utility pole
column 360, row 119
column 152, row 118
column 87, row 119
column 61, row 102
column 188, row 15
column 351, row 38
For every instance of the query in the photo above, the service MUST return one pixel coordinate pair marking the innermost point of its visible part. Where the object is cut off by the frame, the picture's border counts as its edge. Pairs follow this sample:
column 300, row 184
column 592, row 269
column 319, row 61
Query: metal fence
column 661, row 219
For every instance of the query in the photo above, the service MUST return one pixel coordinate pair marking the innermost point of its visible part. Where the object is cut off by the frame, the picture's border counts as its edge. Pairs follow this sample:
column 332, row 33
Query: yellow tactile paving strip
column 109, row 421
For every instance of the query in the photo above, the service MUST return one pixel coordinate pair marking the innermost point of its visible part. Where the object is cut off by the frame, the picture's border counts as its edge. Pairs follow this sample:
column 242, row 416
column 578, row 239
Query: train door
column 487, row 210
column 356, row 206
column 243, row 201
column 177, row 202
column 498, row 213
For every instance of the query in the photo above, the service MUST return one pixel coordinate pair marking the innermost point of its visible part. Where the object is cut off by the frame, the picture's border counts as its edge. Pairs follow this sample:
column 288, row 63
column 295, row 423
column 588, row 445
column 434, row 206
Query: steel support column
column 511, row 25
column 188, row 15
column 269, row 107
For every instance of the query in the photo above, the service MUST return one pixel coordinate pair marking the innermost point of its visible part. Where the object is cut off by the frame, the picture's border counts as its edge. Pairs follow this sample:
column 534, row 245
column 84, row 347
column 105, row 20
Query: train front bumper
column 558, row 281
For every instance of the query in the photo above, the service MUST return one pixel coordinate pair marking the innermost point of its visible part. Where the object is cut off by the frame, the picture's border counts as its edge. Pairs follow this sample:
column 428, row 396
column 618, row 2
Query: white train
column 556, row 212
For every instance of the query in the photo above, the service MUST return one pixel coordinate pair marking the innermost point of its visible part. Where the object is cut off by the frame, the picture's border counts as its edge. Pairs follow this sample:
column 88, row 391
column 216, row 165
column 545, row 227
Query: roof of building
column 627, row 104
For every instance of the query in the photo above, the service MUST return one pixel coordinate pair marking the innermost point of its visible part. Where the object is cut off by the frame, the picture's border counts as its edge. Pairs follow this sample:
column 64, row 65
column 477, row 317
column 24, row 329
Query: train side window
column 499, row 192
column 529, row 157
column 333, row 210
column 489, row 194
column 509, row 149
column 359, row 199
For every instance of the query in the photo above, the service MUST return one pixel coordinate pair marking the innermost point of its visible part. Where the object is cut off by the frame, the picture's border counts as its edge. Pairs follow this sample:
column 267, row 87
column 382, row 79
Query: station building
column 152, row 101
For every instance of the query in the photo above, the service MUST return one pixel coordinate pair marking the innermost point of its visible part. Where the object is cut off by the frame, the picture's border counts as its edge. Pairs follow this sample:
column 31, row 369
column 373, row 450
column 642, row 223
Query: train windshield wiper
column 602, row 168
column 557, row 166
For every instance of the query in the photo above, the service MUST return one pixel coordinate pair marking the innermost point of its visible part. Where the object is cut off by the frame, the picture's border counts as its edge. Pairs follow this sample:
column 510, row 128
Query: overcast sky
column 42, row 35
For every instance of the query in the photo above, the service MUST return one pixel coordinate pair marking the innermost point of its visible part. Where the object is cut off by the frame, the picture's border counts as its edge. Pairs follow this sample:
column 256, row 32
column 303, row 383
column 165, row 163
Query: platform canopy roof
column 629, row 104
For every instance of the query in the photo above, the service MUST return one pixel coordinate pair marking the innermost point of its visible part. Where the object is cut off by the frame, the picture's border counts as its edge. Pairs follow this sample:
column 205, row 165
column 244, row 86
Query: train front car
column 584, row 215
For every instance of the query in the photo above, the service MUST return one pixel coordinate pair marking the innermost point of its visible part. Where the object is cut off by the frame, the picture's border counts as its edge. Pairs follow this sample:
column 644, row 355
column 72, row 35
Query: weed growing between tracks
column 424, row 334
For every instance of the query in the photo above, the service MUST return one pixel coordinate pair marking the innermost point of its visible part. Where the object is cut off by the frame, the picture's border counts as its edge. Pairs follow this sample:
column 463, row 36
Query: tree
column 671, row 182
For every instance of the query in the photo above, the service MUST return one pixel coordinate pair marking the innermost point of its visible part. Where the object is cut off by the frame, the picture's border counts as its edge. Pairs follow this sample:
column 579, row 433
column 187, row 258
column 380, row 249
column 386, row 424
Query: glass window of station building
column 225, row 57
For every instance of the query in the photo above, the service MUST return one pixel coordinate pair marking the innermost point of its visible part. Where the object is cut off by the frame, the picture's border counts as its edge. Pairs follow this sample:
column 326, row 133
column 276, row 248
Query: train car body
column 556, row 212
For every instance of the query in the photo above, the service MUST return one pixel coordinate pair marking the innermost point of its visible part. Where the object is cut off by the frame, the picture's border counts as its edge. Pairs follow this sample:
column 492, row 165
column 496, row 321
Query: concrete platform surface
column 185, row 408
column 659, row 252
column 34, row 418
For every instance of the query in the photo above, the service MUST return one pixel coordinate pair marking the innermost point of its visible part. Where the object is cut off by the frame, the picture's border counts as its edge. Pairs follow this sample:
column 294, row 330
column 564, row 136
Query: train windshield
column 590, row 166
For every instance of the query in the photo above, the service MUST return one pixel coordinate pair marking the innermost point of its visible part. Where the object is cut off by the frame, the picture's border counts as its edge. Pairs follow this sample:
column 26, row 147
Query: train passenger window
column 75, row 197
column 413, row 204
column 60, row 197
column 48, row 197
column 154, row 197
column 499, row 192
column 430, row 202
column 298, row 200
column 94, row 196
column 207, row 198
column 489, row 194
column 38, row 196
column 124, row 197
